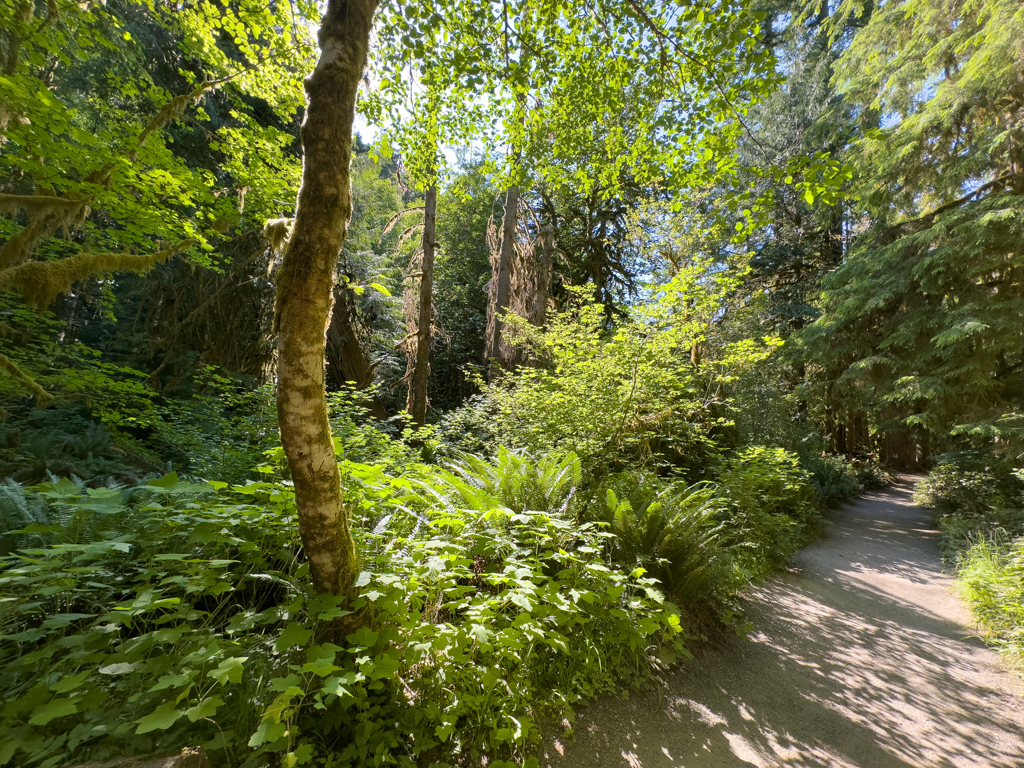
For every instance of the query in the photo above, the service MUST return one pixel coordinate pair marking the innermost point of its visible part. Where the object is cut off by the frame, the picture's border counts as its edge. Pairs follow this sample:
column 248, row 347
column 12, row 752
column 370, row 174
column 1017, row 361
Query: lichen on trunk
column 305, row 283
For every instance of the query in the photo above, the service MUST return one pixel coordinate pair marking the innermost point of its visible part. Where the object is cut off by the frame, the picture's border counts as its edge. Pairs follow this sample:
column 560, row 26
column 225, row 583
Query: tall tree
column 501, row 283
column 707, row 56
column 418, row 372
column 925, row 318
column 92, row 155
column 305, row 284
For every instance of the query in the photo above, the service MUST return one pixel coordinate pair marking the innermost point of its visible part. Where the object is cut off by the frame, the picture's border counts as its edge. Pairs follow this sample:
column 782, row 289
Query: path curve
column 861, row 658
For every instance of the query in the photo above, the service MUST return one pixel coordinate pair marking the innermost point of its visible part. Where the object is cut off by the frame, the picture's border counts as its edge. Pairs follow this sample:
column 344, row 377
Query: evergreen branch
column 926, row 220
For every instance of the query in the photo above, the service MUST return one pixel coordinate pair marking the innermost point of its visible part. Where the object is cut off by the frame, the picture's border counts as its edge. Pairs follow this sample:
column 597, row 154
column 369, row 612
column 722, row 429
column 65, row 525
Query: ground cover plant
column 172, row 613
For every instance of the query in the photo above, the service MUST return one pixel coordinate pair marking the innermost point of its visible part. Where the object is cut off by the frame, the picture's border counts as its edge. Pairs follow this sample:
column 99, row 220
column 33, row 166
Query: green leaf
column 522, row 601
column 70, row 683
column 363, row 637
column 61, row 620
column 229, row 670
column 159, row 719
column 206, row 708
column 294, row 634
column 52, row 710
column 384, row 667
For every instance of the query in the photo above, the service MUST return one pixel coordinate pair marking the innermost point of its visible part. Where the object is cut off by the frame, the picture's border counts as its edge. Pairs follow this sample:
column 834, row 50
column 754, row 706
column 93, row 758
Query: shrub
column 835, row 481
column 468, row 429
column 870, row 476
column 950, row 489
column 627, row 393
column 172, row 614
column 771, row 507
column 516, row 481
column 977, row 502
column 970, row 483
column 671, row 532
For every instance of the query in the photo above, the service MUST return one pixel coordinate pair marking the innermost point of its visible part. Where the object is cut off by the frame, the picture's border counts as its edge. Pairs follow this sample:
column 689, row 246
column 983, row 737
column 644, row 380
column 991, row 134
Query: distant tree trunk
column 541, row 282
column 346, row 363
column 501, row 287
column 419, row 361
column 304, row 297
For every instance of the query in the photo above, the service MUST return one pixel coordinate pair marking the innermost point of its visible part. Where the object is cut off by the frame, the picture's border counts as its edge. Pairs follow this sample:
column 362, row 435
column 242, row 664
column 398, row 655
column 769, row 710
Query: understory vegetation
column 382, row 382
column 494, row 594
column 978, row 502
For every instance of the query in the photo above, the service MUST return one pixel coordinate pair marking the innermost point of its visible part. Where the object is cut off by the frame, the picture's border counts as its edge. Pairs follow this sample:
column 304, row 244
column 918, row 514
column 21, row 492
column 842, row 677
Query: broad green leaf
column 51, row 711
column 161, row 718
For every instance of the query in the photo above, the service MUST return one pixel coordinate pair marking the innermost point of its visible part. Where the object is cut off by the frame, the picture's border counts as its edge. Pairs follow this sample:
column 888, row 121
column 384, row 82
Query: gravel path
column 861, row 657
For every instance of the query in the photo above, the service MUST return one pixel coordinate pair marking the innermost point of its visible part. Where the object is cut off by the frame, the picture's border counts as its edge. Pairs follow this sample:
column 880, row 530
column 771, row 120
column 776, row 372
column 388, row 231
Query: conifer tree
column 924, row 322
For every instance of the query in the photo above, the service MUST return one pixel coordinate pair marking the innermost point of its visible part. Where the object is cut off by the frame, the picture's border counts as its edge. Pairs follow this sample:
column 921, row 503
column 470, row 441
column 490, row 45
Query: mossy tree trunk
column 501, row 291
column 305, row 284
column 419, row 361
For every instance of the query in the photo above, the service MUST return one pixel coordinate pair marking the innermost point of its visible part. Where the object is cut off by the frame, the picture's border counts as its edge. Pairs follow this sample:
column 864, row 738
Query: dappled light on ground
column 861, row 657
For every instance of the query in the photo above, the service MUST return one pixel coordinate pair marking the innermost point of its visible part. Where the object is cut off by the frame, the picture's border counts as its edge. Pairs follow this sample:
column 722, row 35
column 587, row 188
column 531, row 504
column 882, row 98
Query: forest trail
column 860, row 657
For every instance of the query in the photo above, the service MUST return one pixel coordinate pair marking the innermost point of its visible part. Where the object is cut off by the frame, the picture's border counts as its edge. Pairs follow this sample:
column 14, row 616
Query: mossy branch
column 40, row 282
column 38, row 205
column 397, row 217
column 47, row 214
column 43, row 398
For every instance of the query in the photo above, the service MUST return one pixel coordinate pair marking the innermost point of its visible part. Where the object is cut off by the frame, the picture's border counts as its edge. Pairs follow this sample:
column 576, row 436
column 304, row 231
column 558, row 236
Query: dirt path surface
column 860, row 657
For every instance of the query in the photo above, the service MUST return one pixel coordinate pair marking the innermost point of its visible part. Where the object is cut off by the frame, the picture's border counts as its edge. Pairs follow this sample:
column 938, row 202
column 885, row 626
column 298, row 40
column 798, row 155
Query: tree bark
column 502, row 288
column 304, row 297
column 419, row 361
column 346, row 363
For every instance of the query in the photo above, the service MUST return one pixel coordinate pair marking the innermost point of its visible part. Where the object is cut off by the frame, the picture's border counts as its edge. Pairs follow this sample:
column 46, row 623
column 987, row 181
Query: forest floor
column 862, row 656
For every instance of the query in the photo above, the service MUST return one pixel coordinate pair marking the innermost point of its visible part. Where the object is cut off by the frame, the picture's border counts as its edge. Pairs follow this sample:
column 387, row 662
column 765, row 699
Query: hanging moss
column 43, row 398
column 40, row 282
column 40, row 205
column 277, row 232
column 172, row 110
column 47, row 213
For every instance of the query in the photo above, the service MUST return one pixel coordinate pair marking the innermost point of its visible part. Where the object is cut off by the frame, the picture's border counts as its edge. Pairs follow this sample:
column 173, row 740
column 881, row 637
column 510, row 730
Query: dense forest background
column 629, row 295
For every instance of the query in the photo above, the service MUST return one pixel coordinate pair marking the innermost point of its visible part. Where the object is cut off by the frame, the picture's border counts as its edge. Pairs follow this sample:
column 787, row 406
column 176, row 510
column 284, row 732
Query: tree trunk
column 346, row 363
column 544, row 267
column 419, row 360
column 502, row 281
column 304, row 296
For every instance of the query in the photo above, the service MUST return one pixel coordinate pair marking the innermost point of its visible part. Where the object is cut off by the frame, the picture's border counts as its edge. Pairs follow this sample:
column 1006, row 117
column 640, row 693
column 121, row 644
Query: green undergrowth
column 169, row 614
column 978, row 503
column 494, row 595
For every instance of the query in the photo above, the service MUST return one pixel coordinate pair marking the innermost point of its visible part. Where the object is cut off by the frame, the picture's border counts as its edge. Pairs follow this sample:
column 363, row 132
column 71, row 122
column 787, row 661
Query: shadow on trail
column 858, row 659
